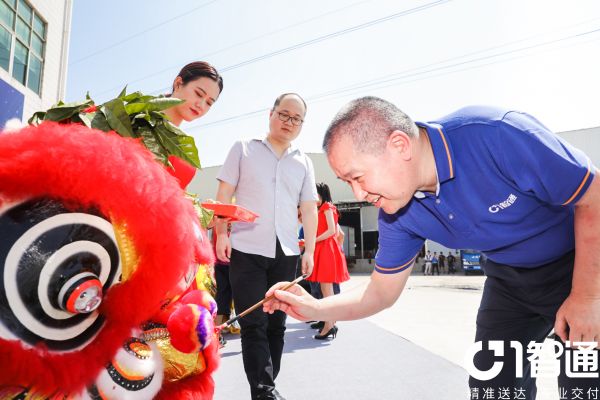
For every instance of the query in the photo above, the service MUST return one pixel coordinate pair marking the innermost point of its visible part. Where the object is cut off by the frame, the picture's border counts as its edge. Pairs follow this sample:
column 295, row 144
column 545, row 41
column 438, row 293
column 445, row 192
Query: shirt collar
column 442, row 153
column 289, row 150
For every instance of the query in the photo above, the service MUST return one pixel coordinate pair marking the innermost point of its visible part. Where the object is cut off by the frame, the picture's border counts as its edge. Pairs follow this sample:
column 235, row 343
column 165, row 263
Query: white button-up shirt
column 273, row 188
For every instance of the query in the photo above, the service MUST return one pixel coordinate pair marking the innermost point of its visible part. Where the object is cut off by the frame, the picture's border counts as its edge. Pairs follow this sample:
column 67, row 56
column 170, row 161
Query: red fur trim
column 119, row 176
column 199, row 387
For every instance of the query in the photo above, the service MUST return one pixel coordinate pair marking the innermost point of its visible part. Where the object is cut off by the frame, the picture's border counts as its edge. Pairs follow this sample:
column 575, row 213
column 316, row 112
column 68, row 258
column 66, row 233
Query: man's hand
column 578, row 319
column 295, row 302
column 308, row 263
column 223, row 248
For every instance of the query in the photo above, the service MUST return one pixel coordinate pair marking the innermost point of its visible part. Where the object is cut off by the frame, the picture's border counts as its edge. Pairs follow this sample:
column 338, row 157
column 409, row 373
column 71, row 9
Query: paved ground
column 438, row 313
column 425, row 334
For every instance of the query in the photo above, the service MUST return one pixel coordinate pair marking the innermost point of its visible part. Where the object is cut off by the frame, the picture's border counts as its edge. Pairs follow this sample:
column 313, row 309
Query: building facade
column 34, row 42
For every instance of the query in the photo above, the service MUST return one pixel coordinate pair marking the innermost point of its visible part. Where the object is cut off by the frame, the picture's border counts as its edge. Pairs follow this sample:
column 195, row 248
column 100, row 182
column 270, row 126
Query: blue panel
column 11, row 103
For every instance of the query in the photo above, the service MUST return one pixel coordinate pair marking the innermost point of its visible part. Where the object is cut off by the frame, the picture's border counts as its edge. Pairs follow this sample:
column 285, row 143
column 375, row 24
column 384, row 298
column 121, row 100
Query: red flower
column 90, row 109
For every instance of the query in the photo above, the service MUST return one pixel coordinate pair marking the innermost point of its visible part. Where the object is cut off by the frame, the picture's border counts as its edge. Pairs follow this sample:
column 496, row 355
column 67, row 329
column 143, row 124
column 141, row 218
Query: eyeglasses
column 283, row 117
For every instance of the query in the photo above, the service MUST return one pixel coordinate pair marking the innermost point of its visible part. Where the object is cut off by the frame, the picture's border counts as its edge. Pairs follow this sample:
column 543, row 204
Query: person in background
column 271, row 177
column 330, row 262
column 451, row 264
column 304, row 283
column 428, row 263
column 442, row 262
column 224, row 295
column 435, row 263
column 314, row 288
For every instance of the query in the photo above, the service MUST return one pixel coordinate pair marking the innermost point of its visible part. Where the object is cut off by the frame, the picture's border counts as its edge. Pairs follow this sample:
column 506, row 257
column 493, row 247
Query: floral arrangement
column 133, row 115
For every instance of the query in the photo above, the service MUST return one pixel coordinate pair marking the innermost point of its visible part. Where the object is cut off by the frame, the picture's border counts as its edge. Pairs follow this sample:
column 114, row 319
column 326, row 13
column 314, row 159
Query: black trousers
column 520, row 305
column 262, row 334
column 224, row 293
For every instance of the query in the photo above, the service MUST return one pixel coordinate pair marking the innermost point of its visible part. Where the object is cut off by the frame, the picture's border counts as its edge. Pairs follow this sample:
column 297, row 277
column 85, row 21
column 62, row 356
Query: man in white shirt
column 272, row 178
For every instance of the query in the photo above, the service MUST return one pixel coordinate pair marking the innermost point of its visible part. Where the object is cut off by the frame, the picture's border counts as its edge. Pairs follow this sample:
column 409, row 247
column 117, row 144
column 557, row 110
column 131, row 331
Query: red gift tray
column 231, row 211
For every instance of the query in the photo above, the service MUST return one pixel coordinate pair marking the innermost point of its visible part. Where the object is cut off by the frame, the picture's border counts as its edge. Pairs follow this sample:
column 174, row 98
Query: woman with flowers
column 199, row 85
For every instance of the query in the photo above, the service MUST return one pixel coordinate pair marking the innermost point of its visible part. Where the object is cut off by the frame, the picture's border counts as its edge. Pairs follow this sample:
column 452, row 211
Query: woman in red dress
column 329, row 260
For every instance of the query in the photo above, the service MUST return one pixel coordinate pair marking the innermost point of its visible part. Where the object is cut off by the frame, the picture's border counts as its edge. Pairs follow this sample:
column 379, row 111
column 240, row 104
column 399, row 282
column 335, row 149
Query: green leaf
column 75, row 119
column 174, row 130
column 159, row 116
column 117, row 117
column 86, row 118
column 153, row 144
column 61, row 113
column 140, row 98
column 135, row 108
column 205, row 216
column 162, row 103
column 135, row 97
column 36, row 118
column 188, row 146
column 138, row 116
column 99, row 122
column 65, row 111
column 183, row 146
column 150, row 103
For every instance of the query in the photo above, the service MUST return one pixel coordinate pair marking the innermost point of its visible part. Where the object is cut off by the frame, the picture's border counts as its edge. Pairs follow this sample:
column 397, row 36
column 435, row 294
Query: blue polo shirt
column 507, row 187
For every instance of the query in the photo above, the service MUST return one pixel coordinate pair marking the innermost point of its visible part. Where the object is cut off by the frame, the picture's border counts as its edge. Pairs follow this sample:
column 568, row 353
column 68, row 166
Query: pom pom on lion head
column 78, row 207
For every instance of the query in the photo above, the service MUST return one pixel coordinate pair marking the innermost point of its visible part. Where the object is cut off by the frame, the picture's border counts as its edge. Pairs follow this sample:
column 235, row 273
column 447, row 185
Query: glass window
column 23, row 31
column 25, row 11
column 5, row 39
column 24, row 60
column 7, row 15
column 20, row 62
column 34, row 76
column 37, row 45
column 39, row 26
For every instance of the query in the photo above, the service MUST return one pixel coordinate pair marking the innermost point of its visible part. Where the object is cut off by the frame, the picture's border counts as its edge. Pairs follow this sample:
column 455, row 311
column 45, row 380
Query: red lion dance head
column 95, row 238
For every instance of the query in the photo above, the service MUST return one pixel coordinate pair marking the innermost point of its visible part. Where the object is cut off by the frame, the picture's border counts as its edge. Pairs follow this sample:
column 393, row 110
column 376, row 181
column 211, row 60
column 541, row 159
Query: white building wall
column 587, row 140
column 57, row 15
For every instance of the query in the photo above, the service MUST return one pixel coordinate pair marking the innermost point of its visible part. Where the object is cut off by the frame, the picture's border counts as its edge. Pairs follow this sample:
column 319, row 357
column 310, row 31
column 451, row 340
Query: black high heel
column 332, row 332
column 318, row 325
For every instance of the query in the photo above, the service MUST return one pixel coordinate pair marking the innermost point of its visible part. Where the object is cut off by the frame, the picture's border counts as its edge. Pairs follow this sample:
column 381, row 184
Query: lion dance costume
column 99, row 252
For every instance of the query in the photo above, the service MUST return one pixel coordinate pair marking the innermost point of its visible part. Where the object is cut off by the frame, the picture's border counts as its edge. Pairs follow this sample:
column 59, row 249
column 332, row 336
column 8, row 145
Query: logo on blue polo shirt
column 494, row 208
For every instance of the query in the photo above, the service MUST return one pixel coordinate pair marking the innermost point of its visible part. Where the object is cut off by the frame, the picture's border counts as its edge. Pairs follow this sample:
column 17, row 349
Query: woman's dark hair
column 199, row 69
column 323, row 191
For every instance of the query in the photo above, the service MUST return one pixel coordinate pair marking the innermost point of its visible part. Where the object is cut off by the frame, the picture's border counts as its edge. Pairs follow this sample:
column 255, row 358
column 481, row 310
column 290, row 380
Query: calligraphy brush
column 260, row 303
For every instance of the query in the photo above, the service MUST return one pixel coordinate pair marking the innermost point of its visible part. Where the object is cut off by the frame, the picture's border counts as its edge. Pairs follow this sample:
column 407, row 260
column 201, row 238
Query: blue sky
column 428, row 57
